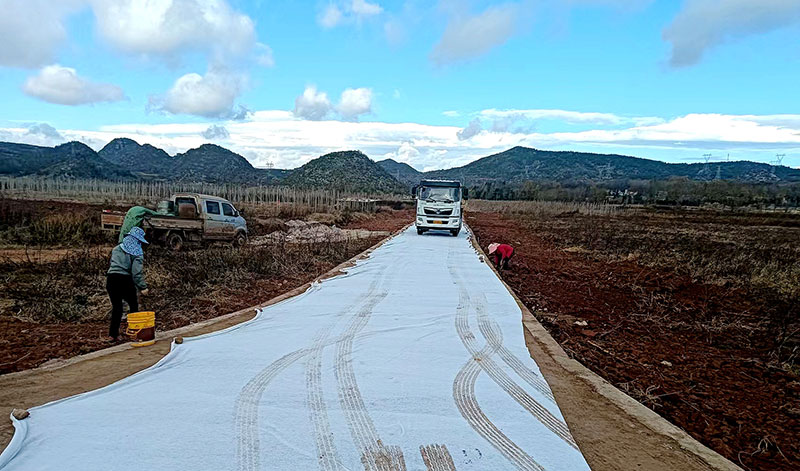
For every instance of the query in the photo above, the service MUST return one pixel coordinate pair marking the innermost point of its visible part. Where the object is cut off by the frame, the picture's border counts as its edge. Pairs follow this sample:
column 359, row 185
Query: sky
column 435, row 84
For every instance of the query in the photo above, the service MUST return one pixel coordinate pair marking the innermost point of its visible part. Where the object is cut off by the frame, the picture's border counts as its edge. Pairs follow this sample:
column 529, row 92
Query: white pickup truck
column 188, row 218
column 439, row 205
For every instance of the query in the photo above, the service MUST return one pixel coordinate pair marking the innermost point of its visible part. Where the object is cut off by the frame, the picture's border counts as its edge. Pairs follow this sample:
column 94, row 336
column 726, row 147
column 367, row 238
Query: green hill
column 212, row 163
column 140, row 159
column 401, row 171
column 346, row 171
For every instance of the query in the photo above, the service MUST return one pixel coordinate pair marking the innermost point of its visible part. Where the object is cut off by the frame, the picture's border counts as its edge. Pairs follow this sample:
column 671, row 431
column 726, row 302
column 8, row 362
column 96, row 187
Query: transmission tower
column 777, row 163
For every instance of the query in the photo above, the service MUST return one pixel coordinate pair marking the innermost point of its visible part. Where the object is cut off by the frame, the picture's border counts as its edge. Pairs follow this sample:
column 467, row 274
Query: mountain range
column 125, row 159
column 521, row 164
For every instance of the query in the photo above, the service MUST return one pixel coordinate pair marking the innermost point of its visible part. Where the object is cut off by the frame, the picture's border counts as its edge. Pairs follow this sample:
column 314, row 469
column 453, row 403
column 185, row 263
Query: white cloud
column 468, row 36
column 473, row 129
column 216, row 132
column 405, row 153
column 355, row 102
column 167, row 28
column 279, row 137
column 572, row 117
column 363, row 8
column 330, row 17
column 704, row 24
column 45, row 130
column 315, row 105
column 394, row 31
column 211, row 95
column 312, row 104
column 264, row 55
column 353, row 12
column 451, row 113
column 32, row 30
column 37, row 134
column 63, row 86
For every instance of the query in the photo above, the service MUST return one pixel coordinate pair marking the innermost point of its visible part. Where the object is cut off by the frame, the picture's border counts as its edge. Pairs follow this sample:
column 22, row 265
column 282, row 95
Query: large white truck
column 439, row 205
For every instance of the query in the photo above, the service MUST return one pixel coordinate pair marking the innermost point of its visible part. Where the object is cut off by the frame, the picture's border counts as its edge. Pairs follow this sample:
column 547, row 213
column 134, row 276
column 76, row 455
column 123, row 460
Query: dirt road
column 405, row 367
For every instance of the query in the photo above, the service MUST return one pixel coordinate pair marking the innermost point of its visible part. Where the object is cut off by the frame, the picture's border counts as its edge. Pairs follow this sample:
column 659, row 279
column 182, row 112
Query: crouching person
column 502, row 254
column 125, row 276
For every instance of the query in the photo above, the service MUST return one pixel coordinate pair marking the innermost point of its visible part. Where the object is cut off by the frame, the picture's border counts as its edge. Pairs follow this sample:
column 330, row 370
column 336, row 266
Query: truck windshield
column 443, row 194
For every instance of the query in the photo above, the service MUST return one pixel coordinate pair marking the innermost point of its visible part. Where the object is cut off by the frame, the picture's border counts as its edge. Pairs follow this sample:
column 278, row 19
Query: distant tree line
column 676, row 191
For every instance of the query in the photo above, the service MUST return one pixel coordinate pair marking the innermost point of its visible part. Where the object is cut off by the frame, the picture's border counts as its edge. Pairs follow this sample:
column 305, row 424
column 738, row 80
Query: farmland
column 53, row 259
column 692, row 312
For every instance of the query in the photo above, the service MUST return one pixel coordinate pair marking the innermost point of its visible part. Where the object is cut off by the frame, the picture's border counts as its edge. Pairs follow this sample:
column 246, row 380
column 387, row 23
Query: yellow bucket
column 142, row 328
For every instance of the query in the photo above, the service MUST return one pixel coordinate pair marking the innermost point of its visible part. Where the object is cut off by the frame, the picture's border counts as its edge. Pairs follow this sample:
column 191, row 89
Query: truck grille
column 438, row 212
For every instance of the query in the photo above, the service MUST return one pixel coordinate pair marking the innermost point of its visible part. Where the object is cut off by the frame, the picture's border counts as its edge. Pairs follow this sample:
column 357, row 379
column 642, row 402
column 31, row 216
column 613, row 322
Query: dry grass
column 753, row 252
column 72, row 289
column 542, row 208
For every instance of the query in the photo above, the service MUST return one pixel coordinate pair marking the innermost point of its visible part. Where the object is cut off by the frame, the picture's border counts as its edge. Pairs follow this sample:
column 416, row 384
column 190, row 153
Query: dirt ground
column 711, row 384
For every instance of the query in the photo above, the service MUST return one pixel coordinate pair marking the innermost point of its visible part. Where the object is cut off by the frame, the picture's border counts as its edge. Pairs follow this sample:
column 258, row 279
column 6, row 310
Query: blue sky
column 434, row 84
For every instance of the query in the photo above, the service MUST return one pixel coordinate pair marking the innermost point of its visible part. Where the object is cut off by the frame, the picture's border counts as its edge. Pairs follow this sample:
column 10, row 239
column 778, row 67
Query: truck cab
column 439, row 205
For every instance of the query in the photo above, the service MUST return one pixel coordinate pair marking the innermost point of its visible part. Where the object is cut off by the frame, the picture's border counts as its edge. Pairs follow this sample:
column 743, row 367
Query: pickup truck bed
column 112, row 221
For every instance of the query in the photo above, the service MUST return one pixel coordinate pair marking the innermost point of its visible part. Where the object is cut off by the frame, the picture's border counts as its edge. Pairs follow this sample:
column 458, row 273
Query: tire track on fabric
column 437, row 458
column 553, row 423
column 499, row 376
column 323, row 436
column 491, row 331
column 467, row 403
column 375, row 456
column 246, row 417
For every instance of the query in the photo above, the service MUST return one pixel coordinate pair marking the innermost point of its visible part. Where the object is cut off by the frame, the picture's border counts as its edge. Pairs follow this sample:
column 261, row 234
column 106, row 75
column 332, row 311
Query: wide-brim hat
column 138, row 234
column 492, row 248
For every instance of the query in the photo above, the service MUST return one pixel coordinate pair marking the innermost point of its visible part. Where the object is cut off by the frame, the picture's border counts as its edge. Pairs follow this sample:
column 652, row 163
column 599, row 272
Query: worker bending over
column 502, row 253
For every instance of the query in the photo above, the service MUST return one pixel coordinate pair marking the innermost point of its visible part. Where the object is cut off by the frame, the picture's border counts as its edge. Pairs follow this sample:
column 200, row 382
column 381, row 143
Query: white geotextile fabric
column 414, row 359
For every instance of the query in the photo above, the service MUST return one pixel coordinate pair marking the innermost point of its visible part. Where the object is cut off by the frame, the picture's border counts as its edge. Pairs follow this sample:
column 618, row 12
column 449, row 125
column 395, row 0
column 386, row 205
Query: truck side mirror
column 414, row 190
column 465, row 193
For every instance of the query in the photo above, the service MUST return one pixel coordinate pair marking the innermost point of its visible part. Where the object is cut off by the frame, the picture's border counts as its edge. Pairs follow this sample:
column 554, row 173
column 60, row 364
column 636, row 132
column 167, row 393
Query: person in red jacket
column 502, row 253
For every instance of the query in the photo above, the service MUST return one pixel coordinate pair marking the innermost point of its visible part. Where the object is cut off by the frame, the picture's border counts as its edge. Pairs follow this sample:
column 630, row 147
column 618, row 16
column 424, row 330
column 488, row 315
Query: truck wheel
column 455, row 232
column 175, row 241
column 420, row 231
column 240, row 240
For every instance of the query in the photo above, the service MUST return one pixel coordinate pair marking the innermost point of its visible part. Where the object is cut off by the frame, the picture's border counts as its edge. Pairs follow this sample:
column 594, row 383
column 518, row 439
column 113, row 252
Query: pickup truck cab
column 438, row 205
column 188, row 218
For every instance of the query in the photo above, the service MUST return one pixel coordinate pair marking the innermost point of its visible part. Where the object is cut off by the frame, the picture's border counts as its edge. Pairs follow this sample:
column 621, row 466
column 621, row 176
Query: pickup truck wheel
column 455, row 232
column 240, row 240
column 175, row 241
column 420, row 231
